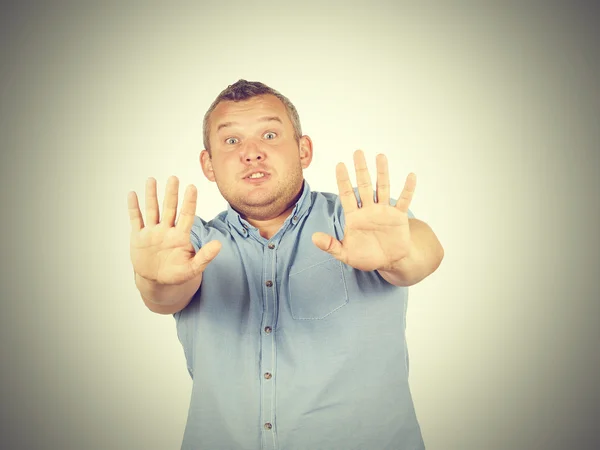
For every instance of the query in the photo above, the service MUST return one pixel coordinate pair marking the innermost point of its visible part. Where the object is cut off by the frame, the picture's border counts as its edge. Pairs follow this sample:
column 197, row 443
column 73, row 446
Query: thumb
column 205, row 255
column 329, row 244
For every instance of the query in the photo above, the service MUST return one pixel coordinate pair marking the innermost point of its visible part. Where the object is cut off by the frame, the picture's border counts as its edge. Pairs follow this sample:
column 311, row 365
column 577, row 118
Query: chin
column 263, row 207
column 261, row 203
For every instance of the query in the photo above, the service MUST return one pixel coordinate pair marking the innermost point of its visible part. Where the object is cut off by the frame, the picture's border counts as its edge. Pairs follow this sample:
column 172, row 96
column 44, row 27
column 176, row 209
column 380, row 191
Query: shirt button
column 268, row 426
column 268, row 375
column 295, row 218
column 269, row 283
column 271, row 246
column 268, row 330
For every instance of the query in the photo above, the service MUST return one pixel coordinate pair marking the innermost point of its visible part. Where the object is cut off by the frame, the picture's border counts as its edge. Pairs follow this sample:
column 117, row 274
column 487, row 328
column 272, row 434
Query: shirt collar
column 300, row 209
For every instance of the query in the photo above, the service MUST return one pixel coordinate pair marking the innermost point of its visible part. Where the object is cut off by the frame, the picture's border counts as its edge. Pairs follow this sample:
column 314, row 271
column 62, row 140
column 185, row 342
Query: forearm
column 167, row 299
column 424, row 258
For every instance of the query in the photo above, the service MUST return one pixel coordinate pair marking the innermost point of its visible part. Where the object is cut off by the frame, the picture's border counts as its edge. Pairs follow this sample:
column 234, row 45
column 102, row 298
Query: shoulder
column 204, row 231
column 326, row 204
column 324, row 198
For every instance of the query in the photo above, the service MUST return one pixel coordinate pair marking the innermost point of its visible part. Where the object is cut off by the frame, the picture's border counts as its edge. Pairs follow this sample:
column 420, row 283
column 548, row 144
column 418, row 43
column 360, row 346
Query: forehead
column 248, row 110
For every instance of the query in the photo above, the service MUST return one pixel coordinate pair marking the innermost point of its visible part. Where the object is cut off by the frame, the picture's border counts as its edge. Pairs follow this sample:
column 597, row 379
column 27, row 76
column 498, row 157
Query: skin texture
column 257, row 135
column 243, row 140
column 167, row 269
column 378, row 236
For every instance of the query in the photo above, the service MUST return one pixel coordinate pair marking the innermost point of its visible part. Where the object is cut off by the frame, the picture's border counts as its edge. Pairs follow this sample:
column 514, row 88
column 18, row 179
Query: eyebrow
column 262, row 119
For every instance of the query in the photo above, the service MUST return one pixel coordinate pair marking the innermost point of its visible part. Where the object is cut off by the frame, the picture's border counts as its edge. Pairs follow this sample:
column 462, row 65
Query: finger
column 406, row 196
column 135, row 215
column 170, row 202
column 363, row 179
column 188, row 209
column 347, row 197
column 383, row 180
column 151, row 202
column 330, row 245
column 204, row 256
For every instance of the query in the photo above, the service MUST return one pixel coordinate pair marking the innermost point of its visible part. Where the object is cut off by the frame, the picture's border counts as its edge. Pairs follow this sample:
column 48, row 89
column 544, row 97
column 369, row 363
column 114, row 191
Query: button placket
column 268, row 350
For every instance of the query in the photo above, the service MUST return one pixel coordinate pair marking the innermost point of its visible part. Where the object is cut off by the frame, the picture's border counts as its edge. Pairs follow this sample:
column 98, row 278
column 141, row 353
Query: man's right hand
column 161, row 250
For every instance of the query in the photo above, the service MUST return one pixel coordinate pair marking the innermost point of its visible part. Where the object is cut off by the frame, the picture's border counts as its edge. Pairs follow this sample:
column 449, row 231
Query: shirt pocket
column 316, row 289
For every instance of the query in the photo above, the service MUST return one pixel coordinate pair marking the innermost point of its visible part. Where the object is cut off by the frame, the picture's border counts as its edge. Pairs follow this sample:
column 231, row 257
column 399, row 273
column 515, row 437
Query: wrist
column 407, row 270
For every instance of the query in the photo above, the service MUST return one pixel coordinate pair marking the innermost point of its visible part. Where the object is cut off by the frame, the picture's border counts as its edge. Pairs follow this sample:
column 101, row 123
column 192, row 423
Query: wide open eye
column 270, row 135
column 231, row 140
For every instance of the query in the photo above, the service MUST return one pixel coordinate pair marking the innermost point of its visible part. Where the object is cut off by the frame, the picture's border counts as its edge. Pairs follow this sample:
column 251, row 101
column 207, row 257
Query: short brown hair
column 244, row 90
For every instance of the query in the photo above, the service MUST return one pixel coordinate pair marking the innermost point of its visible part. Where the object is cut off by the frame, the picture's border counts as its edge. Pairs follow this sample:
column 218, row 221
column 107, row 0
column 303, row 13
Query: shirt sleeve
column 196, row 238
column 198, row 233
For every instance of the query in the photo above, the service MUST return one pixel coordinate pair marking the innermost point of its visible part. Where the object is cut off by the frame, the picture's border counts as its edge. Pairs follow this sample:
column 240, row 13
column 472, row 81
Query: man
column 291, row 304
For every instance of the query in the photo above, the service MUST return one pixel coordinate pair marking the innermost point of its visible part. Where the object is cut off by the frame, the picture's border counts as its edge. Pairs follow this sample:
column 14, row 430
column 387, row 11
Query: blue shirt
column 290, row 349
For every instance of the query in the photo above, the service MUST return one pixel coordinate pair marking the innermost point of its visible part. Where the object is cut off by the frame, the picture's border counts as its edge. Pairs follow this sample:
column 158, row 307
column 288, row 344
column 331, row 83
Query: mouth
column 257, row 177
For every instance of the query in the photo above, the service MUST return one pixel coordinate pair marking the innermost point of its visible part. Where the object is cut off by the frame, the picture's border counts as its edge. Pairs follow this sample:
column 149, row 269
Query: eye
column 270, row 135
column 231, row 141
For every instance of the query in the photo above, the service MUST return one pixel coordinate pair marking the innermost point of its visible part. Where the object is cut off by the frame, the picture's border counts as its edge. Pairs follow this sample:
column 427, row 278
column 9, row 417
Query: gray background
column 495, row 108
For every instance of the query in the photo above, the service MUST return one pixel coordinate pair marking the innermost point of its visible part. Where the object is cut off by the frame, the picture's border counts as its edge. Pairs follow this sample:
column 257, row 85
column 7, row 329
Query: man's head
column 244, row 90
column 251, row 128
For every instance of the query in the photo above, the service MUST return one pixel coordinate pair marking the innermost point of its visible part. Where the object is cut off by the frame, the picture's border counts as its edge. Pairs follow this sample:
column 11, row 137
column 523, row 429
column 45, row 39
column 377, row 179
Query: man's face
column 256, row 136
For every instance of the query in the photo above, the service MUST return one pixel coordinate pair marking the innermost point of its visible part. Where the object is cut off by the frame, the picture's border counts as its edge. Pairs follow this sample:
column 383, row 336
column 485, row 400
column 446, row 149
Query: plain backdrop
column 495, row 108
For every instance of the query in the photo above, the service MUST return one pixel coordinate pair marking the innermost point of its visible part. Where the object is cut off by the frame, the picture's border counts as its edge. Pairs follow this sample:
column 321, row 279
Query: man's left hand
column 376, row 234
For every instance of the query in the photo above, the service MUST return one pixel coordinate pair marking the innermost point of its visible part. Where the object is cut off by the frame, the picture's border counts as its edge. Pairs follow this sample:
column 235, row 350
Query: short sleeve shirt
column 289, row 348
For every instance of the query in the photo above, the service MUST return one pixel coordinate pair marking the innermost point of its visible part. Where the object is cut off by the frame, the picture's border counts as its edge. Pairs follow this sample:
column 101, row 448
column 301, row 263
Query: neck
column 268, row 228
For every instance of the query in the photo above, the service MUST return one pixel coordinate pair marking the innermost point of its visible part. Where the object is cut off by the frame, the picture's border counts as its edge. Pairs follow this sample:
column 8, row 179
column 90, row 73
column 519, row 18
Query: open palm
column 161, row 250
column 376, row 234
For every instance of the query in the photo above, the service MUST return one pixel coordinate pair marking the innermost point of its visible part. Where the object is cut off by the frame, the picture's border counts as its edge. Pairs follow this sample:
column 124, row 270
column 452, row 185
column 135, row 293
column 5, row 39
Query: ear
column 206, row 164
column 306, row 151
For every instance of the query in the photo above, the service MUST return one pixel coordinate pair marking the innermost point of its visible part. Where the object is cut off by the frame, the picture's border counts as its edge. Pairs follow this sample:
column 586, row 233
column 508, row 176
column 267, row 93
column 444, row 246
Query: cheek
column 227, row 168
column 225, row 162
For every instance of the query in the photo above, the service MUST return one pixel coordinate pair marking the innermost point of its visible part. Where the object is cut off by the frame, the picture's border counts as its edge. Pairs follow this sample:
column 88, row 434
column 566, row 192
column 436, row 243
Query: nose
column 251, row 151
